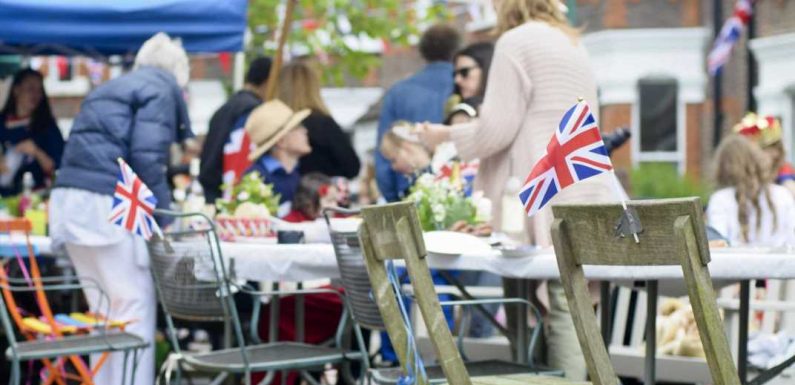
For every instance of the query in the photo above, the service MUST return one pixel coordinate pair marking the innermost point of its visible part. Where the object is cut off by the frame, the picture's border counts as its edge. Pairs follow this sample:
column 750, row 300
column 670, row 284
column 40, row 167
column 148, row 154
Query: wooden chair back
column 391, row 232
column 673, row 234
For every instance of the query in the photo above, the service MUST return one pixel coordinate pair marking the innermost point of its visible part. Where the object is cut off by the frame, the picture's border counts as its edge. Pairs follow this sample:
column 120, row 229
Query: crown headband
column 765, row 130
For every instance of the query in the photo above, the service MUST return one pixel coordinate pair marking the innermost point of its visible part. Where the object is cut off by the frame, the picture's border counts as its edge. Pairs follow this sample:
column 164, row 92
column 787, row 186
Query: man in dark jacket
column 230, row 116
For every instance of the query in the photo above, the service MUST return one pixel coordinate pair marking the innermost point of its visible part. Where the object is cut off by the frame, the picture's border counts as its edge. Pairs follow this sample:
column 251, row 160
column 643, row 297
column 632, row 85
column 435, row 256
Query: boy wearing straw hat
column 280, row 142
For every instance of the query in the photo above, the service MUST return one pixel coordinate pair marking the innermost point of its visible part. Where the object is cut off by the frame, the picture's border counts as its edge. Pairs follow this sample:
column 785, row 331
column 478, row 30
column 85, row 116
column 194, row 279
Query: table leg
column 649, row 373
column 273, row 326
column 604, row 294
column 521, row 324
column 465, row 294
column 742, row 350
column 299, row 315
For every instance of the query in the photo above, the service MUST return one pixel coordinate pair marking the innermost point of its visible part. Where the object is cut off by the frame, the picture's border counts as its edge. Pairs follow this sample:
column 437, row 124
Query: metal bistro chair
column 57, row 339
column 193, row 284
column 393, row 232
column 673, row 234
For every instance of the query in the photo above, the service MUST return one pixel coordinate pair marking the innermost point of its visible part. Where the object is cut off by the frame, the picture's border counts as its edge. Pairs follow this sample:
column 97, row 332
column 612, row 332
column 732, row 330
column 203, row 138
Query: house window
column 658, row 122
column 658, row 115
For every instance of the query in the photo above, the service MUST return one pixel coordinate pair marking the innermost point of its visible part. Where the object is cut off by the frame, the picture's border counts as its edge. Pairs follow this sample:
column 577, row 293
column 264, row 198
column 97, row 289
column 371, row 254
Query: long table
column 313, row 261
column 274, row 262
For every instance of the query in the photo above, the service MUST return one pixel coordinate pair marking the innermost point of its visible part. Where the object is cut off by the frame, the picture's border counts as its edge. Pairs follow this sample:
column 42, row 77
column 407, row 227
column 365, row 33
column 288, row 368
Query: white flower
column 483, row 208
column 243, row 196
column 425, row 180
column 439, row 212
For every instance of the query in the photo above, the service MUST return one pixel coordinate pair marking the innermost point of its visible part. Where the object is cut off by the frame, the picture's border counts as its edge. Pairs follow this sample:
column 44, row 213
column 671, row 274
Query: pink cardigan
column 537, row 73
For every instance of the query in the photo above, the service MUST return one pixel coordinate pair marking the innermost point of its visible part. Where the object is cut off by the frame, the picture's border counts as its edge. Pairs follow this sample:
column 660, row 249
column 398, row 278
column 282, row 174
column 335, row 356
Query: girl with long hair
column 749, row 209
column 766, row 132
column 29, row 136
column 332, row 152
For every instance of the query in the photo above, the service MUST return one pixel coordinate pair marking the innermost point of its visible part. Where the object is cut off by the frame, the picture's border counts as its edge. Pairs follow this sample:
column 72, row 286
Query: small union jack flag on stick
column 133, row 204
column 576, row 152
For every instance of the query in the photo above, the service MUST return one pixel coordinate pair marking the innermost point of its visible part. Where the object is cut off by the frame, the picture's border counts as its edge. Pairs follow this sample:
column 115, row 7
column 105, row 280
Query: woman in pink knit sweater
column 538, row 71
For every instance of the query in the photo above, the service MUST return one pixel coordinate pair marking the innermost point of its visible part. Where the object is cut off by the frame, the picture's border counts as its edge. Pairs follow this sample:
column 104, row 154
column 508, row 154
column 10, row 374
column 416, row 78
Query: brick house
column 647, row 52
column 649, row 57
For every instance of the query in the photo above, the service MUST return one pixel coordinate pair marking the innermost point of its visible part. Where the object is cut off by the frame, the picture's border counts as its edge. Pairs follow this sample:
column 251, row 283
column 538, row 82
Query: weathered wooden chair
column 392, row 232
column 673, row 234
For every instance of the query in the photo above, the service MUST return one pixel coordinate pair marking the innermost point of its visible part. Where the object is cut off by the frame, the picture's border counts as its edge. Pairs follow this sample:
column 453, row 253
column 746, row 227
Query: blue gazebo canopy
column 108, row 27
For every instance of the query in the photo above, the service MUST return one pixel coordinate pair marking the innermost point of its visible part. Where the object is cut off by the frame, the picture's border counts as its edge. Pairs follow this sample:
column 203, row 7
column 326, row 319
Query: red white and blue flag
column 133, row 204
column 729, row 34
column 235, row 161
column 576, row 152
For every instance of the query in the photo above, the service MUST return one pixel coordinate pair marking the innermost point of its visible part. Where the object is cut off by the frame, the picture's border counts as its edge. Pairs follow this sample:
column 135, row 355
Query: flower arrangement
column 251, row 197
column 441, row 203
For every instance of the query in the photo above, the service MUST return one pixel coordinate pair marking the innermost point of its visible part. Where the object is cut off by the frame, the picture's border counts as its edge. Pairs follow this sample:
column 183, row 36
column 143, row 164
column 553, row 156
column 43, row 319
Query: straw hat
column 270, row 122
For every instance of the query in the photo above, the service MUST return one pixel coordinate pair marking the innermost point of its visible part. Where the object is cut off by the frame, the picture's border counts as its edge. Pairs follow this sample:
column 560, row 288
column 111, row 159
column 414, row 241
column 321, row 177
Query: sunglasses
column 464, row 71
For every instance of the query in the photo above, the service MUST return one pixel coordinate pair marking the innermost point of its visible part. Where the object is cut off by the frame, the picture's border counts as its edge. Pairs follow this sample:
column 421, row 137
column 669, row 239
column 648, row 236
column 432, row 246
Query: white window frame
column 622, row 57
column 680, row 155
column 775, row 93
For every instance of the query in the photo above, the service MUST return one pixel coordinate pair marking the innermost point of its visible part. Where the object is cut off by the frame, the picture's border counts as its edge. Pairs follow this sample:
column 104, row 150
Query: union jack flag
column 576, row 152
column 133, row 204
column 729, row 34
column 235, row 161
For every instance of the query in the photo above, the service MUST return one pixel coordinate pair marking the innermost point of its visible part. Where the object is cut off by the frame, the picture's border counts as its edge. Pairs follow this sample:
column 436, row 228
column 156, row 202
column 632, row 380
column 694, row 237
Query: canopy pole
column 238, row 75
column 270, row 92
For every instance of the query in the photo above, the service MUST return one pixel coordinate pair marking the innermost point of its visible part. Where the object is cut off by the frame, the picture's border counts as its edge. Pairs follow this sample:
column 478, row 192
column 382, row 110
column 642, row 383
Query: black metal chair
column 194, row 284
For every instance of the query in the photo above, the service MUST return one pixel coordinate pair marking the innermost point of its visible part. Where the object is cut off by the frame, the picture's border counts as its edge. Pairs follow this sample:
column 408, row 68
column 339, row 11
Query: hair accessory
column 764, row 130
column 465, row 108
column 323, row 190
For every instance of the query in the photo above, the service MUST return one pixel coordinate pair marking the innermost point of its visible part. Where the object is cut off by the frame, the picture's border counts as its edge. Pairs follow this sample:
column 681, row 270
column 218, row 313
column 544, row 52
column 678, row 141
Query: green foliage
column 320, row 28
column 250, row 189
column 12, row 203
column 661, row 180
column 440, row 204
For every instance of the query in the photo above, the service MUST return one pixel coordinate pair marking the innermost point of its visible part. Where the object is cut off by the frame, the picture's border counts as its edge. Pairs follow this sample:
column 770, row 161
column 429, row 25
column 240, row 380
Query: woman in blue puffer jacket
column 136, row 117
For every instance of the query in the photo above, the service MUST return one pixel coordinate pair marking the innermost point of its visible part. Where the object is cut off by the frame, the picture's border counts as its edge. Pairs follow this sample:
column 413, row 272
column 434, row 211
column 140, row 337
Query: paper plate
column 454, row 243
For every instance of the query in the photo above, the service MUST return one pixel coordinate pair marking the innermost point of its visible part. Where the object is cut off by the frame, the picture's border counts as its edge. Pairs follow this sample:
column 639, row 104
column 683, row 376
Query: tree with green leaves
column 341, row 34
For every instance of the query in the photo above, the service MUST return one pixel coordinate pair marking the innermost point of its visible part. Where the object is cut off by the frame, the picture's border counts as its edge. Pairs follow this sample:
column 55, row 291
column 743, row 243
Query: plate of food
column 453, row 243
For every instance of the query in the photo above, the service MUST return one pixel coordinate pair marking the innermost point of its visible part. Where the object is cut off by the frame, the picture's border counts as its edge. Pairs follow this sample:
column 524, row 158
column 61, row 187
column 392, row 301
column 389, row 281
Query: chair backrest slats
column 381, row 222
column 183, row 294
column 393, row 232
column 673, row 234
column 596, row 242
column 353, row 274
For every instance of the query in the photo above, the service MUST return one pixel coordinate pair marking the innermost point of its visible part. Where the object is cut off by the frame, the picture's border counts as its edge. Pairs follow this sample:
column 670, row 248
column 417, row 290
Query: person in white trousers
column 135, row 117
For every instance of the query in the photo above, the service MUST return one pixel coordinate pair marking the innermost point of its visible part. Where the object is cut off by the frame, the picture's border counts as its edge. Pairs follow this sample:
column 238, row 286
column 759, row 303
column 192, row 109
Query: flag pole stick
column 620, row 194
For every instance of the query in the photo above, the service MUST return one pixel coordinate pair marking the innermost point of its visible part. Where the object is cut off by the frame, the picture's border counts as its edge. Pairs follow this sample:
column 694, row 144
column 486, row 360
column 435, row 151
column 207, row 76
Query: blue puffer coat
column 136, row 117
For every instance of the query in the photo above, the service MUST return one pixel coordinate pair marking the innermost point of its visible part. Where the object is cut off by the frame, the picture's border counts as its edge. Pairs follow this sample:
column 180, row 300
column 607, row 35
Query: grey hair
column 162, row 52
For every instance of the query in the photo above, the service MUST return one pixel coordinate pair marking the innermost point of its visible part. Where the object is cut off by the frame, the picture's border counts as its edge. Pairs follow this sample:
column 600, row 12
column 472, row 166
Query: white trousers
column 132, row 297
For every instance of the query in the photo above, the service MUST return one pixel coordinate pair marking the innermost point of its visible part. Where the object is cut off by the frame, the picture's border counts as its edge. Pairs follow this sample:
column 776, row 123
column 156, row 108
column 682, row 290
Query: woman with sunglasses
column 471, row 70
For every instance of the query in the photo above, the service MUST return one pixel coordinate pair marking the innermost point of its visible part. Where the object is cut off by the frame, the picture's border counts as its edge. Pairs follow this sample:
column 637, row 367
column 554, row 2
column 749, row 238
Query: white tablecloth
column 306, row 262
column 254, row 261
